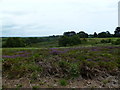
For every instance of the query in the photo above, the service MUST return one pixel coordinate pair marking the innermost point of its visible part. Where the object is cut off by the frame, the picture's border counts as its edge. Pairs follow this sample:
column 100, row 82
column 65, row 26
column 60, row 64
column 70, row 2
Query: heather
column 61, row 63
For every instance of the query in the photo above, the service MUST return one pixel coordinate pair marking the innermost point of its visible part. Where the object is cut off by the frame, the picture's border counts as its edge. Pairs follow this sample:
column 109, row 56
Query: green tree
column 108, row 34
column 82, row 34
column 74, row 40
column 69, row 33
column 117, row 32
column 95, row 34
column 63, row 41
column 69, row 41
column 104, row 34
column 14, row 42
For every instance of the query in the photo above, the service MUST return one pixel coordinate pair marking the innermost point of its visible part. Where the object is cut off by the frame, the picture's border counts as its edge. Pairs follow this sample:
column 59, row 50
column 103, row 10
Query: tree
column 14, row 42
column 82, row 34
column 95, row 34
column 69, row 33
column 108, row 34
column 104, row 34
column 117, row 32
column 74, row 40
column 63, row 41
column 69, row 41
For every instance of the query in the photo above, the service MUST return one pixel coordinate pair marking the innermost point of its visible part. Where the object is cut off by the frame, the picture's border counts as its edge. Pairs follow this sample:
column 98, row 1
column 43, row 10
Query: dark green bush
column 106, row 41
column 117, row 42
column 69, row 41
column 14, row 42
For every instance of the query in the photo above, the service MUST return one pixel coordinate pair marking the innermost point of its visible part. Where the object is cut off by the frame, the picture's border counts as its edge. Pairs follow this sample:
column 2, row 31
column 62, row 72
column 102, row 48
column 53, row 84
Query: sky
column 25, row 18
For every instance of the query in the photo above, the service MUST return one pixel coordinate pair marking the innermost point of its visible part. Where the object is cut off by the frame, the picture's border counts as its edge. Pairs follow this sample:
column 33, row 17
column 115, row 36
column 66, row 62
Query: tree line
column 73, row 38
column 67, row 39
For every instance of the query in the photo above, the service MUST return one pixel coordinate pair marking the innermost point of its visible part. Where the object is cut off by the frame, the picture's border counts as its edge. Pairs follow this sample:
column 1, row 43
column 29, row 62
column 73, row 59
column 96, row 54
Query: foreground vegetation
column 62, row 64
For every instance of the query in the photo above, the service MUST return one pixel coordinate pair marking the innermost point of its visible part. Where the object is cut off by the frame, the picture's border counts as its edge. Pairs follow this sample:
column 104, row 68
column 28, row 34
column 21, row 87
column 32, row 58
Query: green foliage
column 69, row 33
column 95, row 34
column 106, row 41
column 74, row 70
column 117, row 42
column 18, row 85
column 69, row 41
column 70, row 68
column 63, row 63
column 49, row 42
column 105, row 81
column 89, row 64
column 14, row 42
column 118, row 63
column 104, row 34
column 33, row 67
column 17, row 68
column 35, row 87
column 108, row 65
column 117, row 32
column 83, row 40
column 34, row 75
column 63, row 41
column 65, row 66
column 63, row 82
column 31, row 40
column 82, row 34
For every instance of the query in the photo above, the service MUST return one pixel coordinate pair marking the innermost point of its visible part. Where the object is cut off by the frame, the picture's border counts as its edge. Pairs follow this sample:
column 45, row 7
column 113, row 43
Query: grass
column 54, row 43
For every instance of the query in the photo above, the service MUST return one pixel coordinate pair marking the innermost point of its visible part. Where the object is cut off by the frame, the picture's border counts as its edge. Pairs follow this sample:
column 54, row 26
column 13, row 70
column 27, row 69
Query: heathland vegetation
column 72, row 60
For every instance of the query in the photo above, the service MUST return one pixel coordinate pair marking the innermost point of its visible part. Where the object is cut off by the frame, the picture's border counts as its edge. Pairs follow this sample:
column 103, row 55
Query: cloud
column 47, row 17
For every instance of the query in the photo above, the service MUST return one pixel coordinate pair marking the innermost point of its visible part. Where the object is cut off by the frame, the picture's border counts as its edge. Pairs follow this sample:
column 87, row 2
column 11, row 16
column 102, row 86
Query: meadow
column 92, row 64
column 85, row 42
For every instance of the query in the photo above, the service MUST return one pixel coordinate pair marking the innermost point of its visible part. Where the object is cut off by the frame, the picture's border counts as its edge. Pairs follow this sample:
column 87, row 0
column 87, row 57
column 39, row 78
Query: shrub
column 106, row 41
column 14, row 42
column 108, row 65
column 35, row 87
column 19, row 86
column 63, row 82
column 64, row 65
column 63, row 41
column 117, row 42
column 34, row 75
column 69, row 41
column 74, row 70
column 118, row 63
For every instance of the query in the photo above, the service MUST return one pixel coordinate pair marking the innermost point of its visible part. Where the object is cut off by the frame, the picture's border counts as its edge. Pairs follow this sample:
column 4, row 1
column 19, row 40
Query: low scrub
column 87, row 62
column 117, row 42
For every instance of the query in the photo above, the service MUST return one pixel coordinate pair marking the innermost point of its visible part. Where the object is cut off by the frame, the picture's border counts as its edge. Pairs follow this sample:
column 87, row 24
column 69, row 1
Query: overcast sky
column 53, row 17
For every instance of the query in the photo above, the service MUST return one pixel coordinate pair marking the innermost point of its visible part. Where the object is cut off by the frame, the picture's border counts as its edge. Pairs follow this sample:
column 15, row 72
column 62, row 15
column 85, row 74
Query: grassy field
column 51, row 43
column 61, row 66
column 85, row 42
